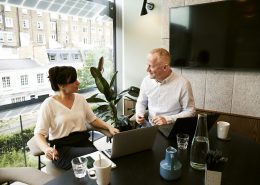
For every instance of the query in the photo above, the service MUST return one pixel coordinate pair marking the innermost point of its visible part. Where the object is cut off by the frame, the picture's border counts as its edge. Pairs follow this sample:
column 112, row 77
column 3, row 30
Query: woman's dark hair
column 61, row 75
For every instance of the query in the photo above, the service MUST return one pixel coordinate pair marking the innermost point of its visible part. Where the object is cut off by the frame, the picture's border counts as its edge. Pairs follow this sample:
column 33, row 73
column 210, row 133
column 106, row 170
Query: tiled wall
column 226, row 91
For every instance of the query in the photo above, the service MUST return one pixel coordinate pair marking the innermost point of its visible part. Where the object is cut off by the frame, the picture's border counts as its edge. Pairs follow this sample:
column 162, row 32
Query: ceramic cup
column 222, row 129
column 102, row 169
column 79, row 166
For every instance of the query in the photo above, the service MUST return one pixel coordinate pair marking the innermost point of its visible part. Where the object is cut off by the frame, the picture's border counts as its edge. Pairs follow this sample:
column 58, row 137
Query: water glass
column 79, row 166
column 182, row 141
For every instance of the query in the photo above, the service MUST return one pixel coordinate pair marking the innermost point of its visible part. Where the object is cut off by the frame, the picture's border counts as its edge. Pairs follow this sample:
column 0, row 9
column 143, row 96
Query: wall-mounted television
column 219, row 35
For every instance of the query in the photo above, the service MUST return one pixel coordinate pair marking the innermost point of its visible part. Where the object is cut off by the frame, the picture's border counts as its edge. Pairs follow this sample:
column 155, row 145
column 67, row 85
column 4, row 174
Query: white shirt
column 172, row 98
column 56, row 120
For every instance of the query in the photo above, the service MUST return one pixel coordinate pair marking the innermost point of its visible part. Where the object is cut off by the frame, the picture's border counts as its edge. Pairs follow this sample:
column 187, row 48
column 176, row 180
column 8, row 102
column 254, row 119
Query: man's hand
column 140, row 119
column 159, row 120
column 113, row 130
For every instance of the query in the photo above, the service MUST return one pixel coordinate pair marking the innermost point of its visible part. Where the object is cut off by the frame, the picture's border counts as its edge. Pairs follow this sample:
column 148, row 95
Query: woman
column 63, row 118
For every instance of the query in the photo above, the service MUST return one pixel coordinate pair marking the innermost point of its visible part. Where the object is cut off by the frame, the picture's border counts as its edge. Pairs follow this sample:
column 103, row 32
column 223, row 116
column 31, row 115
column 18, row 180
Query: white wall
column 140, row 35
column 225, row 91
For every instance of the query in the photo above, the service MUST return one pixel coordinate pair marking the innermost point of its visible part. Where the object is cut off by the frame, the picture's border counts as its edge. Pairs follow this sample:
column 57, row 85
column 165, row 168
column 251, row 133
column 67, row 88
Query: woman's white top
column 56, row 120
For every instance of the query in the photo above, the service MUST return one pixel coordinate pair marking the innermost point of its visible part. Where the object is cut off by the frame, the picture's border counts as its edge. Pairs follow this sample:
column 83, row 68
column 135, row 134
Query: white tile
column 197, row 78
column 246, row 94
column 219, row 89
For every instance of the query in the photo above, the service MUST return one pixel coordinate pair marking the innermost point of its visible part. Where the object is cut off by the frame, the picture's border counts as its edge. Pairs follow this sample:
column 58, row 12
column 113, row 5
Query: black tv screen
column 219, row 35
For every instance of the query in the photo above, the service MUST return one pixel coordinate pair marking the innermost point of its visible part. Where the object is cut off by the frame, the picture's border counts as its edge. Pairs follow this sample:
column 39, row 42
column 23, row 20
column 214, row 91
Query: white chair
column 51, row 169
column 26, row 175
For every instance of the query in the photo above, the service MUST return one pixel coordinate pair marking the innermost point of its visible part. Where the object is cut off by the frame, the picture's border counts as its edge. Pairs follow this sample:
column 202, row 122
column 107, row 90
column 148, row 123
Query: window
column 24, row 80
column 10, row 37
column 53, row 26
column 85, row 40
column 75, row 56
column 18, row 99
column 6, row 81
column 64, row 56
column 40, row 78
column 9, row 22
column 39, row 25
column 40, row 38
column 34, row 35
column 75, row 28
column 53, row 36
column 52, row 56
column 25, row 23
column 1, row 36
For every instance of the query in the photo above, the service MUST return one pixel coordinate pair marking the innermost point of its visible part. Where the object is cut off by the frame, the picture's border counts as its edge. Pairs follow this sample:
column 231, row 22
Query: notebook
column 186, row 125
column 95, row 156
column 127, row 142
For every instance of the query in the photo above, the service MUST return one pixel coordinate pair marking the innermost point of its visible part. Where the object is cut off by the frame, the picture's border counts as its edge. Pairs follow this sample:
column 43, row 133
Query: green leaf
column 113, row 79
column 94, row 96
column 101, row 83
column 95, row 100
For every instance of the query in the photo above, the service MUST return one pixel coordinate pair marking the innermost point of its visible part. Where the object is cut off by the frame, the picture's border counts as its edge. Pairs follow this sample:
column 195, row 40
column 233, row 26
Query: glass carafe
column 200, row 144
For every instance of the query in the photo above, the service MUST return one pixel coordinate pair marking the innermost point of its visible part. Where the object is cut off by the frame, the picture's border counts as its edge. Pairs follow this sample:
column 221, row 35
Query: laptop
column 127, row 142
column 186, row 125
column 182, row 125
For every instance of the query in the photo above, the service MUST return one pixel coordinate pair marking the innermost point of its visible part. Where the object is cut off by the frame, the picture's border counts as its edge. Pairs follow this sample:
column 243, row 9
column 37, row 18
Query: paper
column 212, row 177
column 95, row 156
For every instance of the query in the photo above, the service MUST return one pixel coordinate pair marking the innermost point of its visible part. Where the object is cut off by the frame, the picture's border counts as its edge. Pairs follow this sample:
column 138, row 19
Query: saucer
column 227, row 139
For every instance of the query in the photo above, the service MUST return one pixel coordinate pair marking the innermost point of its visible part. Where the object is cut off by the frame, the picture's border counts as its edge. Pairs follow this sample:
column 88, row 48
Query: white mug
column 102, row 169
column 222, row 129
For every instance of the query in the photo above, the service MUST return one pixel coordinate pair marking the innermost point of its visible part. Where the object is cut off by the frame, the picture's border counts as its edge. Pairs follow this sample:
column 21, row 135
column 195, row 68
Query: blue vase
column 170, row 167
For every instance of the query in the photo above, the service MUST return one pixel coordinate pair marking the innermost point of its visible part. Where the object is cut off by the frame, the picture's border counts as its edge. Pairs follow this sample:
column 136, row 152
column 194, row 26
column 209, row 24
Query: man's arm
column 141, row 105
column 187, row 104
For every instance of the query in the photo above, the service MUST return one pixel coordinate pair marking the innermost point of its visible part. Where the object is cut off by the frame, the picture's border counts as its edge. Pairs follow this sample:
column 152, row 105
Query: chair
column 50, row 167
column 26, row 175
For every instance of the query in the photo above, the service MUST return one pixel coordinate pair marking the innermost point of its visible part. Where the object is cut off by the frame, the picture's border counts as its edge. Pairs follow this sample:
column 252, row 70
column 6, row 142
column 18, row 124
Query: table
column 242, row 168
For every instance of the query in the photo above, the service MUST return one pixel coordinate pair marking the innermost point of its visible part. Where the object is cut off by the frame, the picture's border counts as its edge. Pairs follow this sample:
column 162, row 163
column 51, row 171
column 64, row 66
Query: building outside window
column 24, row 80
column 25, row 23
column 40, row 38
column 9, row 22
column 6, row 82
column 31, row 33
column 1, row 37
column 40, row 79
column 64, row 56
column 52, row 56
column 53, row 25
column 10, row 37
column 39, row 25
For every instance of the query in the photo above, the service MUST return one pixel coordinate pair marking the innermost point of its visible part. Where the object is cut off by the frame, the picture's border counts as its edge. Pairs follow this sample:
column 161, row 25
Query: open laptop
column 127, row 142
column 182, row 125
column 186, row 125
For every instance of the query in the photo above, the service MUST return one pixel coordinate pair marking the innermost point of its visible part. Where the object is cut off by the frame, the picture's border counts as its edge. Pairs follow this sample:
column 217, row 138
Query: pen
column 53, row 152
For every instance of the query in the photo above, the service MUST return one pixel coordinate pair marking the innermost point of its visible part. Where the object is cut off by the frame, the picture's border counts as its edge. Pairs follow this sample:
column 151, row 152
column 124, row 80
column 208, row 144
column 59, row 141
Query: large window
column 34, row 38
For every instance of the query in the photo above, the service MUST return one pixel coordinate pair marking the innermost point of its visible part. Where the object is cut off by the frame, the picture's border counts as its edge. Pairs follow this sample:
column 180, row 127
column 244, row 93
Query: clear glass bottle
column 200, row 144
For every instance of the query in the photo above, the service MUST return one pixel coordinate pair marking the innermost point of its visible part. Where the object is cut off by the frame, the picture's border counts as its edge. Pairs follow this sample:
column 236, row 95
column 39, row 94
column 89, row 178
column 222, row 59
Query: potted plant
column 107, row 104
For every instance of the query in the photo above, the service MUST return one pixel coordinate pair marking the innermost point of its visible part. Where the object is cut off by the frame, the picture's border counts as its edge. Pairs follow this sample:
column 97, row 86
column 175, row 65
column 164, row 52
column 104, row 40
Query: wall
column 220, row 90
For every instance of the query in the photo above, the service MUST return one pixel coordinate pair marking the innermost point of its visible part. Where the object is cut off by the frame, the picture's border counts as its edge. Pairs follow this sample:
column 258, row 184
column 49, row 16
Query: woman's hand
column 51, row 153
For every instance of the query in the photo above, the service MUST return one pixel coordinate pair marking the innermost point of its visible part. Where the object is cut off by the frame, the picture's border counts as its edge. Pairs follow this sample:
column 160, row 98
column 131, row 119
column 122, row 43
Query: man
column 166, row 95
